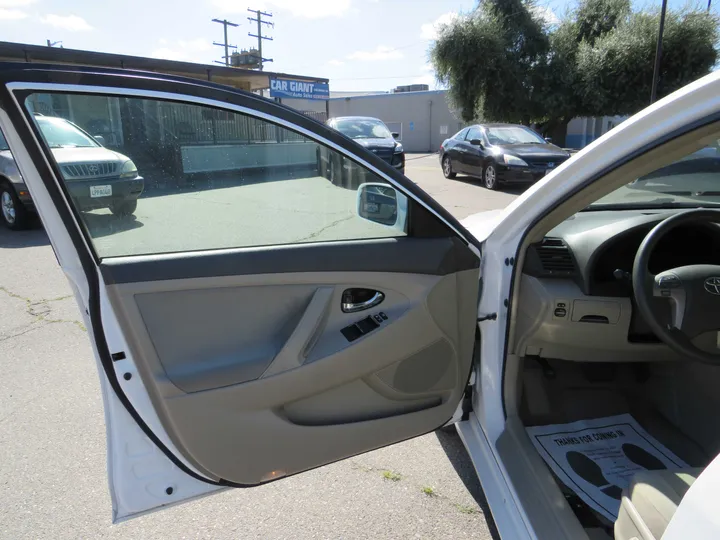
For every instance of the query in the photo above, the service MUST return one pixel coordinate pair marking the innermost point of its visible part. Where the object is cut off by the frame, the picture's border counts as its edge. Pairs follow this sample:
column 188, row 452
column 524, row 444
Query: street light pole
column 658, row 53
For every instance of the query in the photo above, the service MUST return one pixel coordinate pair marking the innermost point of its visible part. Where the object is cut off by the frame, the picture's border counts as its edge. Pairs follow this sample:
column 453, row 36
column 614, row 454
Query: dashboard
column 576, row 293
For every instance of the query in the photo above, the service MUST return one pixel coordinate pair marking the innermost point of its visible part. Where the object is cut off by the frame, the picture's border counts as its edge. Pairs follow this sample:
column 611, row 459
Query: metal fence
column 191, row 124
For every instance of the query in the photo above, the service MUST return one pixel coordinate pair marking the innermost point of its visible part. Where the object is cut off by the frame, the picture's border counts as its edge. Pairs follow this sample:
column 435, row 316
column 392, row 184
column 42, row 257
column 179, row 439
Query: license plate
column 371, row 207
column 100, row 191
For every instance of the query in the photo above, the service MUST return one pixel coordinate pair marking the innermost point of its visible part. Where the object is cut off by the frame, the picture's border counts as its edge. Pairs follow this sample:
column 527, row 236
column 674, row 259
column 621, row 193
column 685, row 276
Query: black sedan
column 499, row 154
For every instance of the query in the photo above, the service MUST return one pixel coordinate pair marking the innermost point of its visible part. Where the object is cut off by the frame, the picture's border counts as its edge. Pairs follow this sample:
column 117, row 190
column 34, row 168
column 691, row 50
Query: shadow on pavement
column 32, row 237
column 512, row 190
column 458, row 456
column 106, row 224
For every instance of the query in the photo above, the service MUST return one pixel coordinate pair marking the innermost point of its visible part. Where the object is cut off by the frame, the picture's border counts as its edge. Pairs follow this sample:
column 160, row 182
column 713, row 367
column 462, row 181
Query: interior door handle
column 354, row 300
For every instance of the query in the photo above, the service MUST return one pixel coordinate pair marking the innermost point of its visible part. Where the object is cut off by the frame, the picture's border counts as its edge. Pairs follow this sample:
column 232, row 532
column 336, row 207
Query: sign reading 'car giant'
column 285, row 88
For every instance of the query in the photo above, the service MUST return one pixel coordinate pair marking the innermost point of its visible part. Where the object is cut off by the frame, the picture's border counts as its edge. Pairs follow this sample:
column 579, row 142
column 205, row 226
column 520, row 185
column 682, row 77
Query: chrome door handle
column 348, row 306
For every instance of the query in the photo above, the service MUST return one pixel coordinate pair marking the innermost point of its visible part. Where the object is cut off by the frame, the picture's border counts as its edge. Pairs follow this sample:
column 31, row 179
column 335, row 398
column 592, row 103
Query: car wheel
column 14, row 214
column 124, row 208
column 447, row 168
column 490, row 176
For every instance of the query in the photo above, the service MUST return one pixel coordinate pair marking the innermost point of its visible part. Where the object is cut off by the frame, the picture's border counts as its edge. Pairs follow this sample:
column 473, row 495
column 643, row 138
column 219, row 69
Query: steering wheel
column 693, row 291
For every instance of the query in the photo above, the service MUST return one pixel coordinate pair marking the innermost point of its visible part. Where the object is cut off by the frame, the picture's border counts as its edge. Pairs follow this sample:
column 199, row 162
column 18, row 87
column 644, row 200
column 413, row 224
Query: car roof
column 355, row 118
column 500, row 124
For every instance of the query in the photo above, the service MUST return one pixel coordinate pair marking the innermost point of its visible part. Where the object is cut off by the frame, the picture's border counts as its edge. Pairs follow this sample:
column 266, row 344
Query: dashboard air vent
column 555, row 257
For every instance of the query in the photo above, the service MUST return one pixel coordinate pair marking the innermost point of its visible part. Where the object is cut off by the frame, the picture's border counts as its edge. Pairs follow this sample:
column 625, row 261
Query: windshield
column 363, row 128
column 513, row 135
column 690, row 182
column 60, row 133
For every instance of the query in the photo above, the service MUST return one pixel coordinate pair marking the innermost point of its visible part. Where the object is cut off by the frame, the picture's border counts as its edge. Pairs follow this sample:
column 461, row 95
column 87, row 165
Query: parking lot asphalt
column 52, row 437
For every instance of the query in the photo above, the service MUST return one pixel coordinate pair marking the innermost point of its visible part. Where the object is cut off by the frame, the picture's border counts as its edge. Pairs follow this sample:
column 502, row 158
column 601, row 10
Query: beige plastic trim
column 301, row 341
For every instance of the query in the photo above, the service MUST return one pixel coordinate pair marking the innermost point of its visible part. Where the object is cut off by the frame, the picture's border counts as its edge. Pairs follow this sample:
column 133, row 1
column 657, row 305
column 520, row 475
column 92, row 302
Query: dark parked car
column 500, row 153
column 374, row 135
column 368, row 132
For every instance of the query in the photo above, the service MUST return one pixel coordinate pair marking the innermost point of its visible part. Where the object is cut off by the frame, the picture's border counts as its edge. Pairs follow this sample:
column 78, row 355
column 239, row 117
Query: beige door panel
column 305, row 386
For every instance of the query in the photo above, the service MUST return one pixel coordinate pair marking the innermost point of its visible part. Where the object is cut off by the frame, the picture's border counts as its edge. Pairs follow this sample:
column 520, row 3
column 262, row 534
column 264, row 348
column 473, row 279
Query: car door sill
column 505, row 511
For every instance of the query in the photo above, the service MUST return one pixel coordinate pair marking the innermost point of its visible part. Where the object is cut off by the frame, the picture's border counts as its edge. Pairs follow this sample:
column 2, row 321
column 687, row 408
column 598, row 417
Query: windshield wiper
column 658, row 204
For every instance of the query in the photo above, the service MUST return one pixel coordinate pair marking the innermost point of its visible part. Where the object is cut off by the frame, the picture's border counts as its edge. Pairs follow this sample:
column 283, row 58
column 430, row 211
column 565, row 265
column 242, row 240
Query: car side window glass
column 156, row 176
column 461, row 134
column 474, row 133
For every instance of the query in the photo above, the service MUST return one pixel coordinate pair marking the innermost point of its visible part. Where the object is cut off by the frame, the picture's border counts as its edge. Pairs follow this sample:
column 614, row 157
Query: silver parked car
column 95, row 176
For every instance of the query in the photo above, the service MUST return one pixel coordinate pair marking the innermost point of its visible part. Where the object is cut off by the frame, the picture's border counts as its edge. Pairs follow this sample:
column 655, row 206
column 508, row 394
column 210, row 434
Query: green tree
column 503, row 62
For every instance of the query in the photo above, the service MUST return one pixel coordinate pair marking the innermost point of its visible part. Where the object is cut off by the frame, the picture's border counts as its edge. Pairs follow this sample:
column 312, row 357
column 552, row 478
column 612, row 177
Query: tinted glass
column 513, row 135
column 362, row 128
column 176, row 177
column 691, row 181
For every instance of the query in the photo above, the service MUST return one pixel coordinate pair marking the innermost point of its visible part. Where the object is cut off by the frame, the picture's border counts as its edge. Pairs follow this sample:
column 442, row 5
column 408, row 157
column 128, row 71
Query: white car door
column 252, row 319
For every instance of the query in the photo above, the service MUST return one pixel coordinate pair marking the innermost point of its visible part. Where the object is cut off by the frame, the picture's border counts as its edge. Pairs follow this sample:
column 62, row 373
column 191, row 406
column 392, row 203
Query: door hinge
column 488, row 317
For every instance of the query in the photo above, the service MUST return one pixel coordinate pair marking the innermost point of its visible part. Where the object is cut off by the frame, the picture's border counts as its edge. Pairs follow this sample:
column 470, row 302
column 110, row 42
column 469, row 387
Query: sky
column 360, row 45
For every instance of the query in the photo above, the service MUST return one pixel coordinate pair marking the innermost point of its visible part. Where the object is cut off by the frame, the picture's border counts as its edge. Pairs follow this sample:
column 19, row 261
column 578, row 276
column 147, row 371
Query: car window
column 3, row 143
column 362, row 128
column 474, row 133
column 59, row 133
column 691, row 181
column 460, row 135
column 177, row 177
column 513, row 135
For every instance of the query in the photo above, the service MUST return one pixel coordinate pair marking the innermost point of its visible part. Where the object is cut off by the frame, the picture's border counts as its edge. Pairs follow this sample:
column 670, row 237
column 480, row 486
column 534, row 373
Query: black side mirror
column 380, row 203
column 548, row 139
column 476, row 142
column 395, row 135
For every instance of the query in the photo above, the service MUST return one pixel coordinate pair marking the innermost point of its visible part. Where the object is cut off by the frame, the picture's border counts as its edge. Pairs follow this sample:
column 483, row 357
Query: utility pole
column 53, row 43
column 259, row 36
column 658, row 54
column 225, row 24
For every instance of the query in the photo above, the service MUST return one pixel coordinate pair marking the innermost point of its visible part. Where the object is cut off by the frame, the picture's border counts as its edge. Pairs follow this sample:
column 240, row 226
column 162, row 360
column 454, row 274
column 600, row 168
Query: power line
column 225, row 24
column 377, row 78
column 259, row 36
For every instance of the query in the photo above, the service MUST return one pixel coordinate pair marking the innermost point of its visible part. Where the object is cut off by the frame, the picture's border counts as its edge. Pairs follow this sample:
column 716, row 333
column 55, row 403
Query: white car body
column 502, row 233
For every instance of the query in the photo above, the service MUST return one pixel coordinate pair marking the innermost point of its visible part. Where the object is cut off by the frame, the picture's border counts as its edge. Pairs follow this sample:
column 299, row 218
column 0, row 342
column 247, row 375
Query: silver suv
column 94, row 176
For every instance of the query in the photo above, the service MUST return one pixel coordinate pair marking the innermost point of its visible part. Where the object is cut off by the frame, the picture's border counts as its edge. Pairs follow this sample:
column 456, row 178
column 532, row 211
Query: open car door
column 263, row 295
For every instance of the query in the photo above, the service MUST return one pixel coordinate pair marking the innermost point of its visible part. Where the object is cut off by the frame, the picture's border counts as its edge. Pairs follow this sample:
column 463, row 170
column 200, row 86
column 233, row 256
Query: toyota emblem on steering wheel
column 712, row 285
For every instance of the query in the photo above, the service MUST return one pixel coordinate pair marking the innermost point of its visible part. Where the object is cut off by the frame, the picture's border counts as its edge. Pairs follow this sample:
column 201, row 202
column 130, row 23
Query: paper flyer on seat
column 597, row 458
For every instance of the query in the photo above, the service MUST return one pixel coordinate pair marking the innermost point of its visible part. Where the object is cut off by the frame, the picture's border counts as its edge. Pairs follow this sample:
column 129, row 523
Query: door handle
column 354, row 300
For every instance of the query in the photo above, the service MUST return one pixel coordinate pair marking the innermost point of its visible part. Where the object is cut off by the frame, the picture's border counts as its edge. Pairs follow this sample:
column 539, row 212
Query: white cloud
column 73, row 23
column 546, row 14
column 335, row 62
column 308, row 9
column 15, row 3
column 185, row 50
column 431, row 30
column 381, row 52
column 11, row 14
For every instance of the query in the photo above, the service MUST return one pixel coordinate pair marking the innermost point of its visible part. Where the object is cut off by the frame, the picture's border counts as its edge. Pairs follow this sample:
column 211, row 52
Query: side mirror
column 548, row 139
column 395, row 135
column 381, row 203
column 476, row 142
column 100, row 139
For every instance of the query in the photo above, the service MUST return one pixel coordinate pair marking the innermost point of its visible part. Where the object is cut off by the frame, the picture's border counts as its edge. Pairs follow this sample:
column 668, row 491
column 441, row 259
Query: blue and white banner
column 286, row 88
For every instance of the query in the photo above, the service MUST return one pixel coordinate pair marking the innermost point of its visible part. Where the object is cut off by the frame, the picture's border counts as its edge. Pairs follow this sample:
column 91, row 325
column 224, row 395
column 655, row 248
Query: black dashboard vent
column 555, row 257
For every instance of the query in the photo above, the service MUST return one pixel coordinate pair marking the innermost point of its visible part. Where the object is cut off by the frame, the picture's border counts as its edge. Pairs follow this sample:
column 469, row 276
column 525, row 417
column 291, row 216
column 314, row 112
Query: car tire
column 489, row 178
column 447, row 168
column 124, row 208
column 12, row 211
